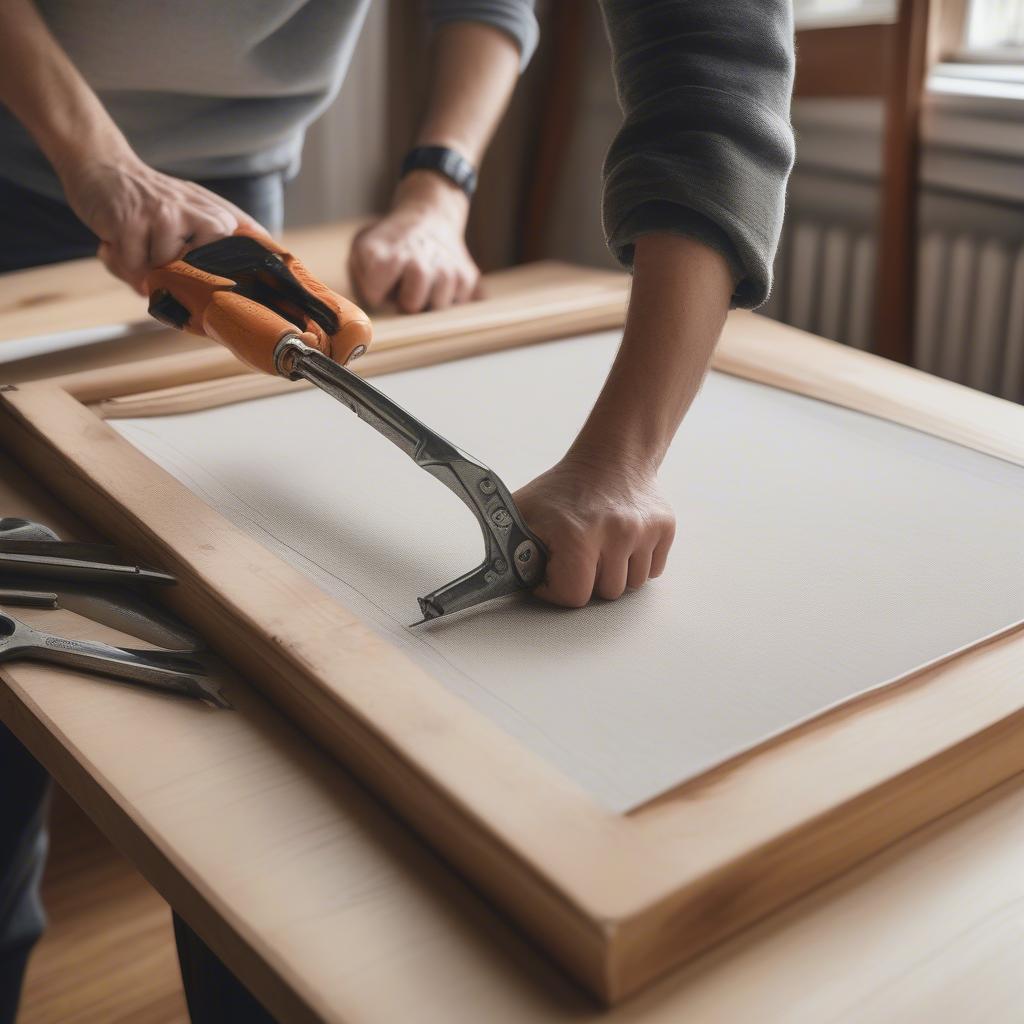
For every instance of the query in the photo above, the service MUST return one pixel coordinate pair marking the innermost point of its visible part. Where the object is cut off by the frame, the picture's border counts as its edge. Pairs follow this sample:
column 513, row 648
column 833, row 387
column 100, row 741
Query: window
column 836, row 13
column 994, row 30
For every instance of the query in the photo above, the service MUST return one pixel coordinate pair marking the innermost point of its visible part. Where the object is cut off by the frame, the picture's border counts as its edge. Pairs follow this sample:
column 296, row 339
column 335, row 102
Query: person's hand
column 143, row 218
column 417, row 252
column 606, row 527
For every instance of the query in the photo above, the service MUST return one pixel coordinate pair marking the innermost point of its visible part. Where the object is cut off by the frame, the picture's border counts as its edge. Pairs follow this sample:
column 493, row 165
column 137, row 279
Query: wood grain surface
column 526, row 304
column 551, row 298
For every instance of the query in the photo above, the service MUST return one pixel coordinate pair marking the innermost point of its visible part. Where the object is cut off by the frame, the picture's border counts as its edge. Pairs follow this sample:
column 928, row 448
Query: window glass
column 815, row 13
column 994, row 25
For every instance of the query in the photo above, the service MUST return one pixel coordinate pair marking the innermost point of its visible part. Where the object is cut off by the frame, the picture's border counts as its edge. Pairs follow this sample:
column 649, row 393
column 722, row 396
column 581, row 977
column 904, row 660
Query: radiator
column 970, row 294
column 970, row 311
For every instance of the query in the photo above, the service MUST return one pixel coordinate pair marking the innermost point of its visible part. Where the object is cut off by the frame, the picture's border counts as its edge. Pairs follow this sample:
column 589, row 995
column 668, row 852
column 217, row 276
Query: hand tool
column 66, row 560
column 29, row 598
column 253, row 296
column 32, row 550
column 168, row 667
column 122, row 608
column 162, row 670
column 15, row 528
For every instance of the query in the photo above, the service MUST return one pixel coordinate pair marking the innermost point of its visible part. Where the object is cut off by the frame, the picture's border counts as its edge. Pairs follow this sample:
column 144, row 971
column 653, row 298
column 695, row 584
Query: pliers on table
column 161, row 670
column 38, row 570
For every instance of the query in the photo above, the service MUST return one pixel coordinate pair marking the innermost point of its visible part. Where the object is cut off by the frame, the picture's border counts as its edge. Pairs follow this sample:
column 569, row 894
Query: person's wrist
column 430, row 192
column 112, row 151
column 607, row 454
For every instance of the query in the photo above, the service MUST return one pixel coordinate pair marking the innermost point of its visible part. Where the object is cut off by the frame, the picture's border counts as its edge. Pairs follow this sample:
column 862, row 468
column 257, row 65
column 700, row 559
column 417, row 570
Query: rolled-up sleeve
column 705, row 147
column 515, row 18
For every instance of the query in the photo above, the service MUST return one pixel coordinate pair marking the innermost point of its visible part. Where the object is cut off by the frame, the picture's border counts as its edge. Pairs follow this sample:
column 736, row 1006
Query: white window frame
column 968, row 52
column 810, row 14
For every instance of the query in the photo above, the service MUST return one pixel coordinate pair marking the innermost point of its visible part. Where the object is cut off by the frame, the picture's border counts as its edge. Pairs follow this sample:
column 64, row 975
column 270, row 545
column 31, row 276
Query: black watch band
column 447, row 162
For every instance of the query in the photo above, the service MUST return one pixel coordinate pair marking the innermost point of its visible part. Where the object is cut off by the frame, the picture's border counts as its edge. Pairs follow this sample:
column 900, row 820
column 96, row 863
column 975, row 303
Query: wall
column 346, row 148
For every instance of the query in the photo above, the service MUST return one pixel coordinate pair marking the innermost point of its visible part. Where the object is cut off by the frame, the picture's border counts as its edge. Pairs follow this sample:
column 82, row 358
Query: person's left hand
column 417, row 252
column 605, row 524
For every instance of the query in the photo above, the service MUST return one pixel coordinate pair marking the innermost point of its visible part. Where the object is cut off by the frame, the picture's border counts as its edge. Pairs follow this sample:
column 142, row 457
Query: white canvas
column 820, row 552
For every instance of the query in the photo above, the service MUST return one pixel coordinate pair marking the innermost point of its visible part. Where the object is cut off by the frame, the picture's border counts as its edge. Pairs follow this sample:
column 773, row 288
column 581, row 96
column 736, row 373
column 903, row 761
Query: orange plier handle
column 248, row 292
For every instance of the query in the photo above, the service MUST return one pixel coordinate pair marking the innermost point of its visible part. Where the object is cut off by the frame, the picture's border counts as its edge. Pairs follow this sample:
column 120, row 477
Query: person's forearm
column 474, row 69
column 705, row 145
column 417, row 253
column 142, row 218
column 46, row 93
column 680, row 297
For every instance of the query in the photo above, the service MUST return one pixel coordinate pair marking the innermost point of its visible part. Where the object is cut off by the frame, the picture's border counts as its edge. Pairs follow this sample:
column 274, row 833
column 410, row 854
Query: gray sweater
column 705, row 146
column 212, row 88
column 219, row 88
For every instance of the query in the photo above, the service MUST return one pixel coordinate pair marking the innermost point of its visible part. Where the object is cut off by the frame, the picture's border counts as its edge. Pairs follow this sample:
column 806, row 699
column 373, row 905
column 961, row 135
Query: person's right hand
column 604, row 522
column 143, row 218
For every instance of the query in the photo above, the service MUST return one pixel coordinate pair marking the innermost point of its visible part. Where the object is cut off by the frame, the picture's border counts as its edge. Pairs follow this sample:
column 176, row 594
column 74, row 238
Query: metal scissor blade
column 28, row 536
column 123, row 609
column 61, row 549
column 29, row 598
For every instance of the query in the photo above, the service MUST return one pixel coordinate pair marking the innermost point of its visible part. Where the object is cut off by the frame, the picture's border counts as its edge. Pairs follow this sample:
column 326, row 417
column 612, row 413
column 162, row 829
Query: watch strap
column 447, row 162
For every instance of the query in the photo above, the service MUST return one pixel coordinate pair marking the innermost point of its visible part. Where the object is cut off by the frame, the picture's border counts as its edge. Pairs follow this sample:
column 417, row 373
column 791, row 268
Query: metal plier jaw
column 247, row 291
column 161, row 670
column 515, row 558
column 39, row 570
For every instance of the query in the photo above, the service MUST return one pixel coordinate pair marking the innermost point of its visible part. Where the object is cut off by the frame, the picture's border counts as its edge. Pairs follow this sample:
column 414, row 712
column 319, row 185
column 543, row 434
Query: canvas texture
column 820, row 552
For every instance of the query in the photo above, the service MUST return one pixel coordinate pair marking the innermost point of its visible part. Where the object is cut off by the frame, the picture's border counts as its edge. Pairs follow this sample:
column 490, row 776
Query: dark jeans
column 23, row 805
column 35, row 230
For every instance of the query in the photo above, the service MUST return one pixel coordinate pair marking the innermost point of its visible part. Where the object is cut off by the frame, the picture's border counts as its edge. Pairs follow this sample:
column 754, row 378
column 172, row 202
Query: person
column 136, row 129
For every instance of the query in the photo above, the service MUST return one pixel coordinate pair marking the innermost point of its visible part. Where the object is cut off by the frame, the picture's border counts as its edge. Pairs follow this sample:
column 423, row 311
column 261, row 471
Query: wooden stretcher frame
column 616, row 899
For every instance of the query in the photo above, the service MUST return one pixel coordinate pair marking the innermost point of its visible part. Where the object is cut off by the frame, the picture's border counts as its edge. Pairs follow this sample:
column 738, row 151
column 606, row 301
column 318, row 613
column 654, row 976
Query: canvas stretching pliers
column 38, row 570
column 256, row 298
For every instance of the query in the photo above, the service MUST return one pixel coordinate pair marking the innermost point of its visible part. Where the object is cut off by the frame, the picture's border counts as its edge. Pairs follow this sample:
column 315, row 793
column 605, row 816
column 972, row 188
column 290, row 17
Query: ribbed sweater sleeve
column 705, row 147
column 513, row 17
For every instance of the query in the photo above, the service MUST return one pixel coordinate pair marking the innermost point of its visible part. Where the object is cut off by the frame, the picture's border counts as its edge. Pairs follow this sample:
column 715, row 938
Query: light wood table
column 348, row 917
column 931, row 930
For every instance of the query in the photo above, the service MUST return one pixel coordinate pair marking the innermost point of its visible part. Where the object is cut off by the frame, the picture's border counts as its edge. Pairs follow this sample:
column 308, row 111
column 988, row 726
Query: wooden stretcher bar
column 617, row 899
column 561, row 298
column 752, row 347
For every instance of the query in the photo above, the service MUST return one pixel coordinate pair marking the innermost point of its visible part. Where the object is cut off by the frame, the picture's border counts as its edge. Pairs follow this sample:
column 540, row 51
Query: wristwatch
column 446, row 162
